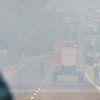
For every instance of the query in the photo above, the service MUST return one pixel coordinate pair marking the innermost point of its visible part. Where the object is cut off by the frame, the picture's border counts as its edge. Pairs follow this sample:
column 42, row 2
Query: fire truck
column 69, row 58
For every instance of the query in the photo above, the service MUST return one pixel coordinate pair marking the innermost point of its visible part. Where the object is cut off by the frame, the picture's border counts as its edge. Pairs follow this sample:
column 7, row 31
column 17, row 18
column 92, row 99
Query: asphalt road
column 25, row 83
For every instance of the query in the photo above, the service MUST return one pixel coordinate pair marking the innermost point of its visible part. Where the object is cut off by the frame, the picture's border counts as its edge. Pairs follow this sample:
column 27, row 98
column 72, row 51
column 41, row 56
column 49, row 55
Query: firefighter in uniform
column 96, row 77
column 41, row 69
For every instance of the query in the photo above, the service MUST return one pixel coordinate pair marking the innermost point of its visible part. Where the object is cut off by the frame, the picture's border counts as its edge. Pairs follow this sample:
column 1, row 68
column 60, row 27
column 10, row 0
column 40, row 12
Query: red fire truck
column 68, row 59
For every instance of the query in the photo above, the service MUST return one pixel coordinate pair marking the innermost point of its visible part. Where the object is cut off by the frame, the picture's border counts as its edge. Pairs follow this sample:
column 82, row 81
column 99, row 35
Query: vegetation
column 26, row 27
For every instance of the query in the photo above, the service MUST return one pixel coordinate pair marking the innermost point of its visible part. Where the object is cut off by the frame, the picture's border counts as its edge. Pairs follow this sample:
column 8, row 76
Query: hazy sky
column 72, row 4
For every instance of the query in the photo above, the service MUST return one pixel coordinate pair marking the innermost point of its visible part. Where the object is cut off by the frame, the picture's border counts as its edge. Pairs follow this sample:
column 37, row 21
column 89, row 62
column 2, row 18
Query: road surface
column 25, row 83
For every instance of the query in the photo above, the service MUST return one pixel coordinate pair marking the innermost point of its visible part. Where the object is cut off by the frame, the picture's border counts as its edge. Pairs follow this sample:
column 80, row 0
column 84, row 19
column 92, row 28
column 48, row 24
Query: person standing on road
column 96, row 76
column 41, row 69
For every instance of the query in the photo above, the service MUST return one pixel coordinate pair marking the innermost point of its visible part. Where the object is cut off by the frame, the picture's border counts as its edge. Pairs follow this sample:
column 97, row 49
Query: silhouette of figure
column 96, row 76
column 41, row 69
column 4, row 91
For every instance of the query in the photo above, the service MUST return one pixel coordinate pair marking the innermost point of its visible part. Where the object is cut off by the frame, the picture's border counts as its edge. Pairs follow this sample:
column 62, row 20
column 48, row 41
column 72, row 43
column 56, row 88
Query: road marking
column 25, row 64
column 39, row 89
column 40, row 86
column 32, row 97
column 92, row 82
column 19, row 68
column 42, row 83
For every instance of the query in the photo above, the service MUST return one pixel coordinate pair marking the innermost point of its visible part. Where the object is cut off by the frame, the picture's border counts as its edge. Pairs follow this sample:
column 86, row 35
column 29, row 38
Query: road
column 25, row 83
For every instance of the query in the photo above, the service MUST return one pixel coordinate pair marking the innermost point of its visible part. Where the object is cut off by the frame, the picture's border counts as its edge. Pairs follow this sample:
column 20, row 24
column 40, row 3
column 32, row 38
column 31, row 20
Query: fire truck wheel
column 80, row 77
column 54, row 77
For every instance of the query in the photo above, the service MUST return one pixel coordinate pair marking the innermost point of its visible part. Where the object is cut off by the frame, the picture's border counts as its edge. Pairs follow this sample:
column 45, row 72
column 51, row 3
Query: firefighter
column 4, row 91
column 96, row 77
column 41, row 69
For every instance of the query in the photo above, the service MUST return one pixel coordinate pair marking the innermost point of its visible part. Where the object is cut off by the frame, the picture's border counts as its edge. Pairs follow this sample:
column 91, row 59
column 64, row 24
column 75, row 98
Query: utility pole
column 94, row 51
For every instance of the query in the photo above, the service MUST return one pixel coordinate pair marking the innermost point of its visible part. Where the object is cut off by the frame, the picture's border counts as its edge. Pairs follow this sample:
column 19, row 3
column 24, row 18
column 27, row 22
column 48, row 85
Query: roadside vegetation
column 28, row 28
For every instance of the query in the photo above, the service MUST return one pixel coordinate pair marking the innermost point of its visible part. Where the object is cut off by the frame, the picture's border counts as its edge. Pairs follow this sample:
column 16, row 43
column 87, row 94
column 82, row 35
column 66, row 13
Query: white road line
column 19, row 68
column 25, row 64
column 42, row 84
column 92, row 82
column 32, row 97
column 39, row 89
